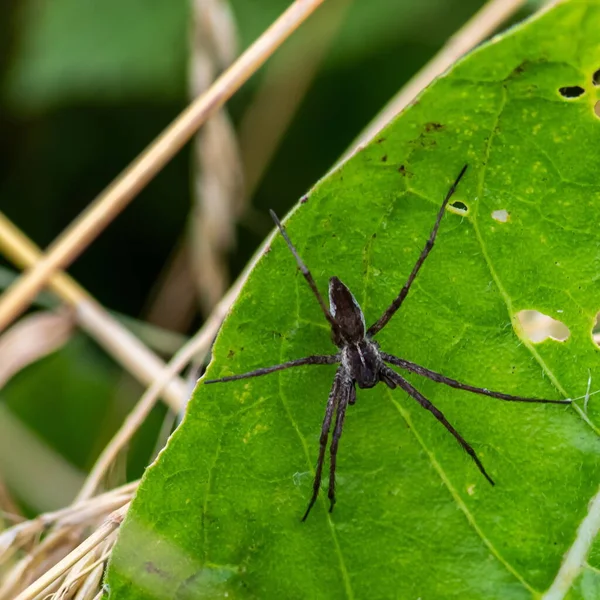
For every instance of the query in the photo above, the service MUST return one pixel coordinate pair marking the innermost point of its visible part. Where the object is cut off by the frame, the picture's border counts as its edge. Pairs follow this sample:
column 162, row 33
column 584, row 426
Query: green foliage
column 73, row 372
column 218, row 514
column 369, row 26
column 72, row 49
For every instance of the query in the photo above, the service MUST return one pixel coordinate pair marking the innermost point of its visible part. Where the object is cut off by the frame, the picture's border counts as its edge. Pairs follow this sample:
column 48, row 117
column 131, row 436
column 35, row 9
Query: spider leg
column 426, row 404
column 352, row 395
column 419, row 370
column 331, row 404
column 348, row 394
column 395, row 305
column 307, row 274
column 307, row 360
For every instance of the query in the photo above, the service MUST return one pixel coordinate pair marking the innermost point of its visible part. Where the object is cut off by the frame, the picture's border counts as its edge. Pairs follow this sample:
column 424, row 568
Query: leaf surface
column 218, row 514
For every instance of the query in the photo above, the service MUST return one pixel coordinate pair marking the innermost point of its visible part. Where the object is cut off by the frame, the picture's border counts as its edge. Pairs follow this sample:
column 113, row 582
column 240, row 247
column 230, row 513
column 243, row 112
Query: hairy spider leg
column 347, row 396
column 332, row 402
column 307, row 274
column 439, row 378
column 331, row 359
column 397, row 303
column 426, row 404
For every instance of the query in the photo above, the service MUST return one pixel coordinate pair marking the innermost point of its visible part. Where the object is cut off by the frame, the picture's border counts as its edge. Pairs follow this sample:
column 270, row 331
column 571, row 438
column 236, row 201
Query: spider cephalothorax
column 363, row 364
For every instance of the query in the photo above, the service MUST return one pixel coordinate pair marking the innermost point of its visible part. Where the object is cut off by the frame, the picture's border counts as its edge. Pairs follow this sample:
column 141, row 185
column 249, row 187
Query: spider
column 362, row 363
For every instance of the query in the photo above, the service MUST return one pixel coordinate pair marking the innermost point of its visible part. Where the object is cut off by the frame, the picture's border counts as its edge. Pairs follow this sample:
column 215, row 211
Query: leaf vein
column 459, row 501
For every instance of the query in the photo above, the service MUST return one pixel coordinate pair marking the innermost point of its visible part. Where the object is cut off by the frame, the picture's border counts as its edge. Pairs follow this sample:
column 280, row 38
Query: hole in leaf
column 458, row 207
column 596, row 77
column 597, row 108
column 571, row 91
column 539, row 327
column 501, row 215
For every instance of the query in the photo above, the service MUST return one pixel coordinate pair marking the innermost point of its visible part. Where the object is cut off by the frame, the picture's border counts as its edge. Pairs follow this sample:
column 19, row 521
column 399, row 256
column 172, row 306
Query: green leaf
column 218, row 514
column 84, row 49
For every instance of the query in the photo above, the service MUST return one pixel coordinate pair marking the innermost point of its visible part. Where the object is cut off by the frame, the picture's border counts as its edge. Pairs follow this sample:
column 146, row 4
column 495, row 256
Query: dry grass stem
column 53, row 548
column 197, row 268
column 115, row 198
column 110, row 525
column 283, row 88
column 67, row 583
column 76, row 577
column 197, row 347
column 81, row 515
column 131, row 353
column 473, row 32
column 218, row 182
column 218, row 203
column 91, row 587
column 33, row 337
column 134, row 356
column 199, row 344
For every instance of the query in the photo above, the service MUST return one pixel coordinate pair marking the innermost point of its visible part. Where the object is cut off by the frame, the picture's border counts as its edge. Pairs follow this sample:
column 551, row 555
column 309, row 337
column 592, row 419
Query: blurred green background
column 85, row 86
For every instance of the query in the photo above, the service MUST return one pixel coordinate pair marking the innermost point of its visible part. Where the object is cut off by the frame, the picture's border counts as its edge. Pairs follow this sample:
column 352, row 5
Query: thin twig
column 72, row 579
column 82, row 512
column 132, row 354
column 53, row 548
column 66, row 521
column 91, row 588
column 282, row 90
column 161, row 340
column 196, row 272
column 111, row 524
column 198, row 344
column 472, row 33
column 218, row 198
column 32, row 338
column 115, row 198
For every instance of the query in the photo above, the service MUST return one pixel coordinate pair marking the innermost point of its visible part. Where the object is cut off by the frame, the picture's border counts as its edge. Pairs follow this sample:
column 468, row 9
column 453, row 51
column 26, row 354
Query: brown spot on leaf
column 152, row 568
column 518, row 70
column 433, row 127
column 384, row 158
